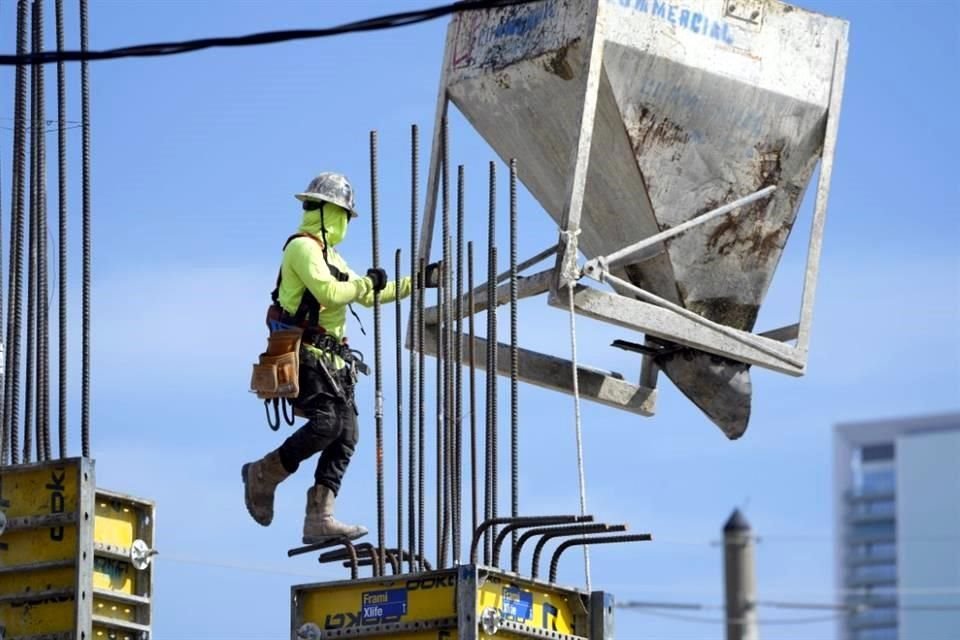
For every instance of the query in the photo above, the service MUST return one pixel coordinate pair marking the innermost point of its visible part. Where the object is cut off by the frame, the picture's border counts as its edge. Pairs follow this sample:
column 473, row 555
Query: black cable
column 85, row 328
column 388, row 21
column 62, row 186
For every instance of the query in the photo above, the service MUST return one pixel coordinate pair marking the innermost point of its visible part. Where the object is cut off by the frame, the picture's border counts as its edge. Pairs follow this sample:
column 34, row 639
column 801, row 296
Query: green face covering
column 335, row 219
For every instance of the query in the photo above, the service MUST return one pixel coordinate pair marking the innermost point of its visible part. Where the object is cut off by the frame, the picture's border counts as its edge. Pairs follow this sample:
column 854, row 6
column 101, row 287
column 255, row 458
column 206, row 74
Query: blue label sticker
column 517, row 604
column 384, row 605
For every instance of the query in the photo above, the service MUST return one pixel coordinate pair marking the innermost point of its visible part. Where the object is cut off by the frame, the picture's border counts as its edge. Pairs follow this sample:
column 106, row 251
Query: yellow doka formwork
column 74, row 560
column 469, row 602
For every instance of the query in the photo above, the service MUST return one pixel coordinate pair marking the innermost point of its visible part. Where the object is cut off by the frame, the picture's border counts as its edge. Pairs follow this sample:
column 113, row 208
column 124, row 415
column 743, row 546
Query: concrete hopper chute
column 672, row 143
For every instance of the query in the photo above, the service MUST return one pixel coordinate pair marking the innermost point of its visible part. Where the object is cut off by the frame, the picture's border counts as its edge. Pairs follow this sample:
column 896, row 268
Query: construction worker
column 314, row 290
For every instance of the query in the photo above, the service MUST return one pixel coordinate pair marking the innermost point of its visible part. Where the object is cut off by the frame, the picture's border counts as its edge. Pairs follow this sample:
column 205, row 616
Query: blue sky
column 196, row 158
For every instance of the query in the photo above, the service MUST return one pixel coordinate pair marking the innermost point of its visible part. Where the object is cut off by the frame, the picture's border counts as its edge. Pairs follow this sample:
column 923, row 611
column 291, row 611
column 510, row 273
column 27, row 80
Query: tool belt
column 276, row 375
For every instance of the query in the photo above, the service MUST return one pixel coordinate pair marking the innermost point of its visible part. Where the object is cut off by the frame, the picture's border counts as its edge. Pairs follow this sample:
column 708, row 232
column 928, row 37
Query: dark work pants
column 331, row 426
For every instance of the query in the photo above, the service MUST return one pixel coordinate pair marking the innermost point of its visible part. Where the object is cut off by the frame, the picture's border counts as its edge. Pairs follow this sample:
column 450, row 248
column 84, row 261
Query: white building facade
column 897, row 524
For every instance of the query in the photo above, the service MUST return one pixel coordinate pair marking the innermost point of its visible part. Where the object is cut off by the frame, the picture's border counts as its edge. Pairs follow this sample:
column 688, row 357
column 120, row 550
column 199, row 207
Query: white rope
column 571, row 237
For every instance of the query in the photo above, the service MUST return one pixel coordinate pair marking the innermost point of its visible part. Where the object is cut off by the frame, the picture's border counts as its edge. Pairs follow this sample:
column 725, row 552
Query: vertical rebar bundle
column 421, row 417
column 491, row 376
column 415, row 294
column 441, row 535
column 377, row 350
column 11, row 400
column 43, row 303
column 85, row 179
column 474, row 521
column 31, row 425
column 399, row 362
column 514, row 359
column 458, row 370
column 443, row 442
column 62, row 271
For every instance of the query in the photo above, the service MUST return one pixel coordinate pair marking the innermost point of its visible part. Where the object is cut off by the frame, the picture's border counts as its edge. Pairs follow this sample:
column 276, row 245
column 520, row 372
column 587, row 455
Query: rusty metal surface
column 699, row 102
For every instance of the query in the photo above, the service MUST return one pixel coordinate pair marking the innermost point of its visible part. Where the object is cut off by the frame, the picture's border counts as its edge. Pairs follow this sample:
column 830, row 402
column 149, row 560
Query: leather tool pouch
column 276, row 375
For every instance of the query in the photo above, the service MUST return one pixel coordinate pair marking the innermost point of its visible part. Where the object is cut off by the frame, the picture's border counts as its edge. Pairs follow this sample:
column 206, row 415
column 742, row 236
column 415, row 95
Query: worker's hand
column 378, row 277
column 432, row 275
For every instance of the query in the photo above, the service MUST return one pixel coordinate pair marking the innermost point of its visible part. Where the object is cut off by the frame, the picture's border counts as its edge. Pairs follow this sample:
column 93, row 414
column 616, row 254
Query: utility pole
column 739, row 579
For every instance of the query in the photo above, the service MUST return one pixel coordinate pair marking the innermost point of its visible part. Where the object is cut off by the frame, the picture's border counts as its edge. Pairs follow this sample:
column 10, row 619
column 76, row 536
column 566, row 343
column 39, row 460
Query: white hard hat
column 333, row 188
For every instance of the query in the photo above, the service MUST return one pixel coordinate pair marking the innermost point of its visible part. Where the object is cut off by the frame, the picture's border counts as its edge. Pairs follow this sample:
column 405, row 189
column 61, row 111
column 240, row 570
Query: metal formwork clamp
column 141, row 555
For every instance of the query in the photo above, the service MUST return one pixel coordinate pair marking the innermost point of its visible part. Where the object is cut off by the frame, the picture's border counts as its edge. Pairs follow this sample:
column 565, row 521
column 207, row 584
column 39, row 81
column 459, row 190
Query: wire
column 853, row 608
column 387, row 21
column 762, row 622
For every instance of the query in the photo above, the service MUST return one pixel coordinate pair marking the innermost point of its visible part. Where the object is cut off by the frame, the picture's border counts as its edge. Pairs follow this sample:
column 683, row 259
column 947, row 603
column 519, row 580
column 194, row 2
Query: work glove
column 431, row 278
column 378, row 277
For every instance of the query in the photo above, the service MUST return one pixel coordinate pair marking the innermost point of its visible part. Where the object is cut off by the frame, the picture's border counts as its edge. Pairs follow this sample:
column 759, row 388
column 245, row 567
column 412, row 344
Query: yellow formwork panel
column 116, row 522
column 38, row 618
column 442, row 603
column 29, row 546
column 114, row 610
column 47, row 514
column 529, row 603
column 344, row 606
column 62, row 537
column 121, row 521
column 103, row 633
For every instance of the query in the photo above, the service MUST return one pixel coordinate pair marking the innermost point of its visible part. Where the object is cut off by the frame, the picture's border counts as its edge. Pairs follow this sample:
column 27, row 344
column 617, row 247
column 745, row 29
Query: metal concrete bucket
column 630, row 117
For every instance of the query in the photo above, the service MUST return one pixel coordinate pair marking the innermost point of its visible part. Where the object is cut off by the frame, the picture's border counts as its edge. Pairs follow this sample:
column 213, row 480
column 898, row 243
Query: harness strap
column 308, row 312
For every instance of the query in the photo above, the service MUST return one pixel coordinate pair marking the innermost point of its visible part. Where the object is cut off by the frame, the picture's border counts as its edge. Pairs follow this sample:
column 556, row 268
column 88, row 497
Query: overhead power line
column 378, row 23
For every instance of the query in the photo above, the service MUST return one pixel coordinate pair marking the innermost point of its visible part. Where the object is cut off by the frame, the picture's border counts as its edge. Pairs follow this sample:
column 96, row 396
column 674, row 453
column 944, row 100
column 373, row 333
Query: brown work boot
column 260, row 480
column 319, row 523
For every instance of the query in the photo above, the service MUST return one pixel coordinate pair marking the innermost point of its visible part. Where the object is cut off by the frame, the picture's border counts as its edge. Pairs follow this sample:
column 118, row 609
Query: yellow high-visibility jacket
column 304, row 268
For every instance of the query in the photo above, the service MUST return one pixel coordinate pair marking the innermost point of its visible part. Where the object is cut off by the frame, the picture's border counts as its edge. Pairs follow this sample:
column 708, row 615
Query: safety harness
column 307, row 318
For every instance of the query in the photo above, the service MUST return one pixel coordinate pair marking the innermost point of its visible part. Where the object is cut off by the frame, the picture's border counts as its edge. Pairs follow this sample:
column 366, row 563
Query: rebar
column 85, row 179
column 62, row 271
column 441, row 556
column 532, row 533
column 582, row 531
column 43, row 302
column 421, row 418
column 491, row 373
column 376, row 559
column 31, row 425
column 348, row 552
column 514, row 528
column 377, row 350
column 473, row 392
column 458, row 370
column 443, row 323
column 481, row 531
column 555, row 560
column 514, row 359
column 399, row 362
column 415, row 293
column 11, row 400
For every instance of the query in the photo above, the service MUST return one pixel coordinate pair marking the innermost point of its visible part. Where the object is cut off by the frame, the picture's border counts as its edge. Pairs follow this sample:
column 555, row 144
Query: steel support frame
column 766, row 349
